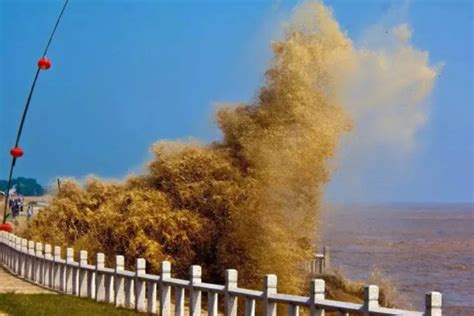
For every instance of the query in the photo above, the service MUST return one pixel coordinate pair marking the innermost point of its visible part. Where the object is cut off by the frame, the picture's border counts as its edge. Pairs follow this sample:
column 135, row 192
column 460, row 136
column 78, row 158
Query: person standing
column 29, row 212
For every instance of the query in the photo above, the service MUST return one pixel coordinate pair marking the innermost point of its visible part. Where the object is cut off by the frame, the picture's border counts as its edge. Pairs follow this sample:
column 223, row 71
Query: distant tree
column 24, row 186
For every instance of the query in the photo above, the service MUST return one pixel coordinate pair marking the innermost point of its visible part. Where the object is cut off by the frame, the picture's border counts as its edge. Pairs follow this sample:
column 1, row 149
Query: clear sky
column 128, row 73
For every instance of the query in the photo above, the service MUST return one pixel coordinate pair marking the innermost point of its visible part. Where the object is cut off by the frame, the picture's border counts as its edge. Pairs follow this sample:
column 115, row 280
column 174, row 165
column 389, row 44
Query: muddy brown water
column 421, row 247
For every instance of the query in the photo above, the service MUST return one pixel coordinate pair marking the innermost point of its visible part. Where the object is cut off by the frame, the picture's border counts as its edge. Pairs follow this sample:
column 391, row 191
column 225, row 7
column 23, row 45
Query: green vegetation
column 24, row 186
column 49, row 304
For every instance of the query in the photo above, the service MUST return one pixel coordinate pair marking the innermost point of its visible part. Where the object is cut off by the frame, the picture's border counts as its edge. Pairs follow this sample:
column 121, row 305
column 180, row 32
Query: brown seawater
column 421, row 247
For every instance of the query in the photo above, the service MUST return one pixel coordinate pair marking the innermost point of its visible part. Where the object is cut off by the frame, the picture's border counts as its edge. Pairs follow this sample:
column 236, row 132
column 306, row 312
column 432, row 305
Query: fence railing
column 319, row 264
column 152, row 293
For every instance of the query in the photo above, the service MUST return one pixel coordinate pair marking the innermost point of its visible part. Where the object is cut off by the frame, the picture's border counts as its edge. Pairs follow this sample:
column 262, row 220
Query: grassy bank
column 47, row 304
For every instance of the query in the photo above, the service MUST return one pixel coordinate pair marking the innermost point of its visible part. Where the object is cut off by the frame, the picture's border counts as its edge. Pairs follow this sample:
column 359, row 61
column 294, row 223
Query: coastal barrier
column 151, row 293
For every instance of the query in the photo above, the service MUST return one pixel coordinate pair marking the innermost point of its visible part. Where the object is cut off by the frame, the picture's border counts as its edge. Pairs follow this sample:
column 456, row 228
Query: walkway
column 12, row 284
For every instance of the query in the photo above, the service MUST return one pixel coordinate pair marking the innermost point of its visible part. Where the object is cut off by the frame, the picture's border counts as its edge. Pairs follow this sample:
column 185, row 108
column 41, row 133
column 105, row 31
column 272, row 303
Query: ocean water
column 420, row 247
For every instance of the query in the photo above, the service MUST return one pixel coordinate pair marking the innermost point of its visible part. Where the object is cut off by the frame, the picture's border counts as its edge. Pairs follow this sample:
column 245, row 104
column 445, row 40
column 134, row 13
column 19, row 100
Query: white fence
column 319, row 264
column 152, row 293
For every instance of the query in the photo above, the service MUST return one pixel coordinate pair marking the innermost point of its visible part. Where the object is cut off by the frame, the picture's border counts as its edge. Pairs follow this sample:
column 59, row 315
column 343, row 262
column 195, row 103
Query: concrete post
column 433, row 303
column 195, row 294
column 18, row 256
column 91, row 284
column 69, row 272
column 31, row 261
column 179, row 301
column 212, row 300
column 249, row 307
column 58, row 278
column 47, row 271
column 83, row 274
column 6, row 259
column 109, row 288
column 371, row 298
column 317, row 289
column 151, row 295
column 140, row 285
column 39, row 263
column 327, row 259
column 24, row 257
column 293, row 310
column 129, row 287
column 99, row 278
column 270, row 287
column 165, row 290
column 231, row 278
column 119, row 299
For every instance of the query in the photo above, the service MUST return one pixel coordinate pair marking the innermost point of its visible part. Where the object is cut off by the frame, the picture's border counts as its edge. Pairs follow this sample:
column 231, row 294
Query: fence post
column 14, row 254
column 231, row 277
column 433, row 303
column 69, row 274
column 11, row 252
column 129, row 287
column 18, row 256
column 179, row 305
column 249, row 306
column 99, row 278
column 293, row 310
column 119, row 299
column 47, row 268
column 24, row 257
column 109, row 287
column 327, row 259
column 140, row 285
column 151, row 297
column 317, row 293
column 91, row 286
column 75, row 271
column 31, row 260
column 4, row 241
column 3, row 253
column 57, row 270
column 2, row 247
column 270, row 287
column 371, row 298
column 314, row 264
column 165, row 290
column 6, row 256
column 83, row 274
column 39, row 263
column 195, row 294
column 3, row 236
column 8, row 251
column 212, row 303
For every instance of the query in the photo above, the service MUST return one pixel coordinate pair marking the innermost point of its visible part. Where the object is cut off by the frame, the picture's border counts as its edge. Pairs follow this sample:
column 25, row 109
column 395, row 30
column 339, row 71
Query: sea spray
column 249, row 201
column 386, row 90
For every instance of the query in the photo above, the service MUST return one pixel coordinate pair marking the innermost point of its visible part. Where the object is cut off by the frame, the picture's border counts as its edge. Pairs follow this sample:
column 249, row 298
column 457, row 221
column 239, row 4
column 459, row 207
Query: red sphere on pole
column 7, row 227
column 16, row 152
column 44, row 63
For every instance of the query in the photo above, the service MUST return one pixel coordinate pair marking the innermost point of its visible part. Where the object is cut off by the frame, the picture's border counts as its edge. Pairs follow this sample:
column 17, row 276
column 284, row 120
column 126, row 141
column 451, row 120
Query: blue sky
column 128, row 73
